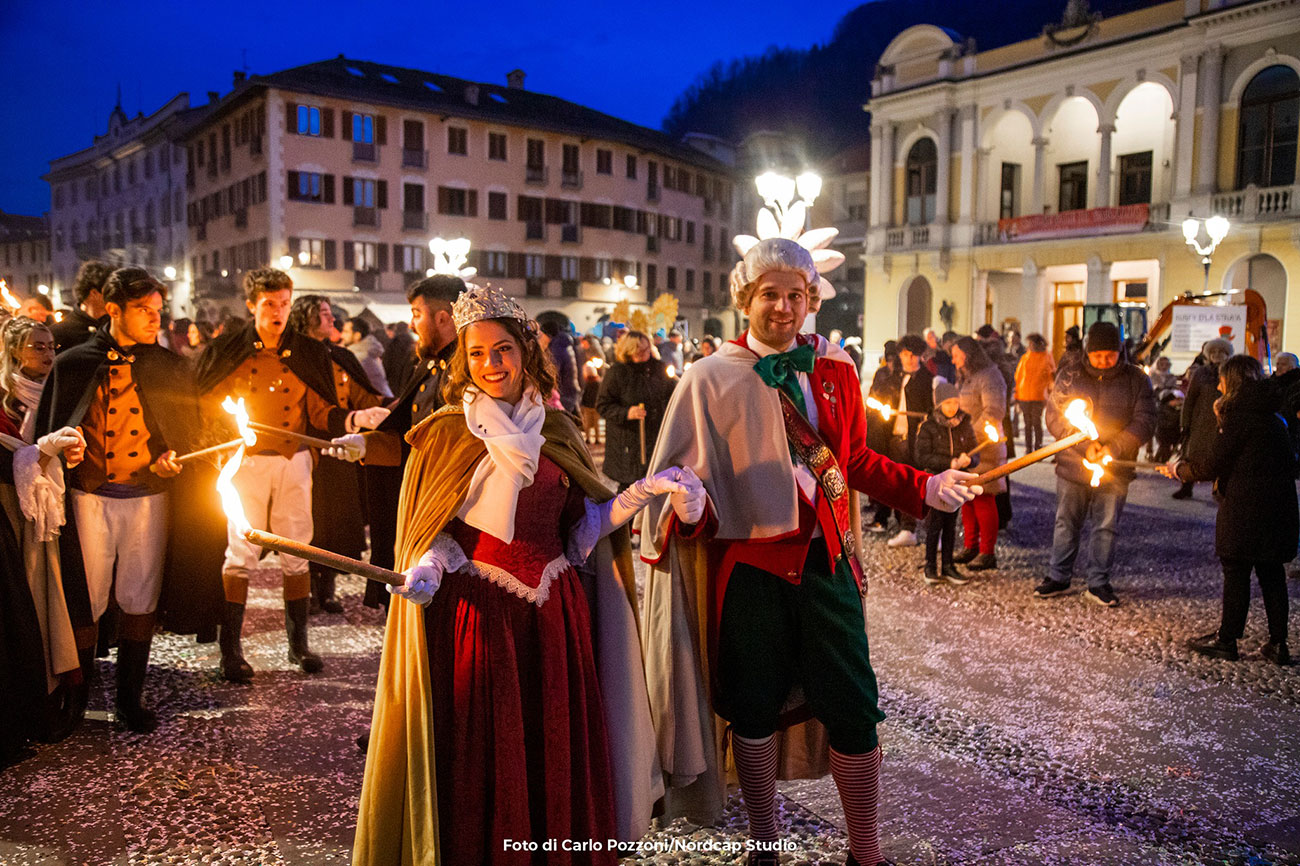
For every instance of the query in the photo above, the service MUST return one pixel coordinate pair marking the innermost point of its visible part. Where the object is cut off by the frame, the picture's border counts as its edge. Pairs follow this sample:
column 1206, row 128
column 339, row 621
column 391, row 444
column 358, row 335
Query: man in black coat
column 137, row 406
column 78, row 326
column 1124, row 410
column 915, row 394
column 1200, row 427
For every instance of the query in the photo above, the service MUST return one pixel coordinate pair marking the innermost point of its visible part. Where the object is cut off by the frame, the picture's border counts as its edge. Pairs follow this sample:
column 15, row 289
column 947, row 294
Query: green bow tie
column 781, row 371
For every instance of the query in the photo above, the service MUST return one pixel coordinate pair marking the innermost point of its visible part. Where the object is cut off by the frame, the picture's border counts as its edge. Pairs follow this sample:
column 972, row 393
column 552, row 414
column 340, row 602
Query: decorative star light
column 783, row 217
column 449, row 257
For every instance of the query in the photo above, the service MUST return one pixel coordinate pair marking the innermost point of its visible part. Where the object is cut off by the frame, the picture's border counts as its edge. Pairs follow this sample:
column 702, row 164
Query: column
column 943, row 171
column 877, row 144
column 1102, row 197
column 981, row 182
column 1183, row 153
column 1098, row 289
column 965, row 205
column 1208, row 166
column 1039, row 197
column 886, row 179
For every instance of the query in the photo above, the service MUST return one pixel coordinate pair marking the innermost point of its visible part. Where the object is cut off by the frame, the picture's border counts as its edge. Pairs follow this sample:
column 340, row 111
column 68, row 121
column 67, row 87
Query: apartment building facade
column 345, row 169
column 25, row 264
column 1022, row 182
column 123, row 199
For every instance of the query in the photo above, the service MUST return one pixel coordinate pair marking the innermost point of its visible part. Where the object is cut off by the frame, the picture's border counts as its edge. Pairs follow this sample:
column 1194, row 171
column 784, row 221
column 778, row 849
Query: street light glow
column 286, row 262
column 809, row 186
column 169, row 272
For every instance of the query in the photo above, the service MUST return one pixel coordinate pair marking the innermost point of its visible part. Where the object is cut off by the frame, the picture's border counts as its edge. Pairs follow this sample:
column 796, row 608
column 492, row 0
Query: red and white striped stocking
column 756, row 766
column 858, row 779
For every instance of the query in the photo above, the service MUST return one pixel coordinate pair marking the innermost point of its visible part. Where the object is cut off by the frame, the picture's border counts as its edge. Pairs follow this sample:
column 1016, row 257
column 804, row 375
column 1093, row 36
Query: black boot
column 295, row 628
column 132, row 662
column 89, row 674
column 965, row 555
column 233, row 666
column 322, row 591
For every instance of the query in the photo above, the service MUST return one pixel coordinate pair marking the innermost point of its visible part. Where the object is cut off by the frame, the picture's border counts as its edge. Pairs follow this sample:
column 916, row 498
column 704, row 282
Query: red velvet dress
column 520, row 742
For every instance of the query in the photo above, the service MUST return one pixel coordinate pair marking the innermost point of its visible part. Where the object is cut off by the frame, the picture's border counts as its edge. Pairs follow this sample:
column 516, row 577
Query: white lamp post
column 1216, row 228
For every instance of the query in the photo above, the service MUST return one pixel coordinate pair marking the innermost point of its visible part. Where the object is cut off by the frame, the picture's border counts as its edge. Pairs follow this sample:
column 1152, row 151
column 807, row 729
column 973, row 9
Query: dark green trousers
column 775, row 636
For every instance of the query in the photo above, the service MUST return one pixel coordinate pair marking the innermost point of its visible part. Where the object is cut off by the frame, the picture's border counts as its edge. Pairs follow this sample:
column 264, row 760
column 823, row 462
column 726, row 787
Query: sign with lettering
column 1075, row 223
column 1193, row 325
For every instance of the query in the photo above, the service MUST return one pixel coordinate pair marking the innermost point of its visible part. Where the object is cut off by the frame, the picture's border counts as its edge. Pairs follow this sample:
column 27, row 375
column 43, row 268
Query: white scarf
column 28, row 392
column 513, row 436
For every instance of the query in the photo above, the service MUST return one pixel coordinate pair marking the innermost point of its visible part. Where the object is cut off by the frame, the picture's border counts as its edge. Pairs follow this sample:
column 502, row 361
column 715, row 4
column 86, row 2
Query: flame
column 230, row 502
column 9, row 300
column 1097, row 470
column 1077, row 414
column 991, row 432
column 237, row 409
column 596, row 363
column 686, row 366
column 672, row 372
column 884, row 409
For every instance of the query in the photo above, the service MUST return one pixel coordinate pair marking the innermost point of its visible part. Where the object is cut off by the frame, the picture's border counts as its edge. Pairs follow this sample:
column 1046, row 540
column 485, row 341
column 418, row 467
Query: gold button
column 792, row 574
column 422, row 387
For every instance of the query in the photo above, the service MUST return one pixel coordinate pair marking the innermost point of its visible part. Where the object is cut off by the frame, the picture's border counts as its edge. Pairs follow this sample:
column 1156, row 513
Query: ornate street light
column 1216, row 228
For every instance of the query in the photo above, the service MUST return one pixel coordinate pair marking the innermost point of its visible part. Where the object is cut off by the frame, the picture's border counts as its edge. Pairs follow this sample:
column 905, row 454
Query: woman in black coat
column 1259, row 524
column 636, row 387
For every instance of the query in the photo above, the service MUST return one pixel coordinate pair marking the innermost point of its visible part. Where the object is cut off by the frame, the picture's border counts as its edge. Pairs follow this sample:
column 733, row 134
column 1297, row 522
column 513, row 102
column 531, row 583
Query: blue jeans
column 1076, row 503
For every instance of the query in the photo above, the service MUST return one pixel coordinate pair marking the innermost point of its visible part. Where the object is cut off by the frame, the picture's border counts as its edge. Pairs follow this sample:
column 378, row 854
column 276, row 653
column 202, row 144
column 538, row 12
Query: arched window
column 1266, row 141
column 922, row 162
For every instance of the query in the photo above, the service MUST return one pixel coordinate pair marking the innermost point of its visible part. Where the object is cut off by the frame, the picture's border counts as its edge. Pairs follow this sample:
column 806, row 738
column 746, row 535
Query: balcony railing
column 535, row 230
column 535, row 174
column 415, row 158
column 571, row 179
column 569, row 234
column 1258, row 203
column 241, row 218
column 364, row 151
column 255, row 145
column 652, row 191
column 365, row 216
column 907, row 237
column 414, row 221
column 651, row 244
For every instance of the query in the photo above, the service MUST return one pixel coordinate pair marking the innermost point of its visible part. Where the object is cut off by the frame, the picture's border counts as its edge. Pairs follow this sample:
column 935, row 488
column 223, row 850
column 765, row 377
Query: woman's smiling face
column 494, row 360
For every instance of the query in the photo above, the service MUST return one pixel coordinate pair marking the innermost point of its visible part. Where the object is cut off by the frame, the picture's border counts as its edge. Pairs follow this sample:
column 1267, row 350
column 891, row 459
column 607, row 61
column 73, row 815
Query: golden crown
column 477, row 303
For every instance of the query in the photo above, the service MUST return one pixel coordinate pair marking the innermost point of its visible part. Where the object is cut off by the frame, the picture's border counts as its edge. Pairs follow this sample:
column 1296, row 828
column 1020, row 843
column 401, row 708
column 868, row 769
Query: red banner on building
column 1075, row 223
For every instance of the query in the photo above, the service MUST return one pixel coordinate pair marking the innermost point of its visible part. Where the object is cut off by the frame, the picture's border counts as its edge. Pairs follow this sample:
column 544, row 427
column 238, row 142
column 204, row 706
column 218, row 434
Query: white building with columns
column 1021, row 182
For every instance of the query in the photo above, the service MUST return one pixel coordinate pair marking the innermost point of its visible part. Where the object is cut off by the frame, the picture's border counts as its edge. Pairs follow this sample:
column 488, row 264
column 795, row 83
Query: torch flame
column 237, row 409
column 1077, row 414
column 230, row 502
column 1097, row 470
column 672, row 372
column 991, row 432
column 884, row 409
column 596, row 363
column 9, row 300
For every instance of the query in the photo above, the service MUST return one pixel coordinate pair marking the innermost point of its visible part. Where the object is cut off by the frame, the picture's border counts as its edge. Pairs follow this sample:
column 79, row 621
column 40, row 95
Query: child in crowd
column 943, row 442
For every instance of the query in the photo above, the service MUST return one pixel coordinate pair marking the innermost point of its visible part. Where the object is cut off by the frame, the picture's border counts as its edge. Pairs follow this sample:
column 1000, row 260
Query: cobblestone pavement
column 1019, row 732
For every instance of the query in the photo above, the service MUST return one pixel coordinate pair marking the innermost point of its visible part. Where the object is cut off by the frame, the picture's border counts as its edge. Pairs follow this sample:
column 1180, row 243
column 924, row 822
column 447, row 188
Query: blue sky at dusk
column 63, row 61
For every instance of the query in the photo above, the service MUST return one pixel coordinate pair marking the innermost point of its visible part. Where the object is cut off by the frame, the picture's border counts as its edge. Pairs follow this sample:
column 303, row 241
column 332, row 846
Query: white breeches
column 126, row 537
column 276, row 493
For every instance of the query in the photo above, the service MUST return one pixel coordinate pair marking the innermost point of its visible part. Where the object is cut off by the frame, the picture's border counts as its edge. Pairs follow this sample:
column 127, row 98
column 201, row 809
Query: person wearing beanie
column 1200, row 426
column 915, row 394
column 1124, row 410
column 944, row 441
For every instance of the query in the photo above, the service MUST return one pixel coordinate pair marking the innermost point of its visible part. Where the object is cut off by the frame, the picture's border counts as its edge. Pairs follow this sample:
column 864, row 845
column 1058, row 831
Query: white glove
column 688, row 503
column 950, row 488
column 351, row 448
column 641, row 493
column 423, row 580
column 54, row 444
column 366, row 419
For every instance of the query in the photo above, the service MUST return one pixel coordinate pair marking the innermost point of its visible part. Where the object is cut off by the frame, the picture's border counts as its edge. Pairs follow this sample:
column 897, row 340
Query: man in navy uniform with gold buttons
column 287, row 381
column 136, row 404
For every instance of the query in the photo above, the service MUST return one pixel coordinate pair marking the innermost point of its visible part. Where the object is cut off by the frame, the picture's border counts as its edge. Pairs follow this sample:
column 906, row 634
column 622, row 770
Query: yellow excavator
column 1151, row 341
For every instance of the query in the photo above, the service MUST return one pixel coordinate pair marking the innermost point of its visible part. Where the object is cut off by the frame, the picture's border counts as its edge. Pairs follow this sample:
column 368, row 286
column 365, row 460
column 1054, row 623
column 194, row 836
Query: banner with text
column 1075, row 223
column 1193, row 325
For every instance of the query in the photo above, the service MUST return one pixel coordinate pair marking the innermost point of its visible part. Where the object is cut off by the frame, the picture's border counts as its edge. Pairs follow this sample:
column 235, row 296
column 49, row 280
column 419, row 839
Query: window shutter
column 327, row 122
column 383, row 257
column 349, row 196
column 381, row 130
column 381, row 194
column 329, row 189
column 587, row 269
column 291, row 118
column 347, row 126
column 472, row 202
column 514, row 265
column 349, row 256
column 293, row 185
column 442, row 199
column 331, row 261
column 553, row 269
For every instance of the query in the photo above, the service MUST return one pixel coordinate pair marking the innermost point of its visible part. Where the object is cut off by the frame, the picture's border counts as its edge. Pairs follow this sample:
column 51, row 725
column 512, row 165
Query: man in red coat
column 755, row 614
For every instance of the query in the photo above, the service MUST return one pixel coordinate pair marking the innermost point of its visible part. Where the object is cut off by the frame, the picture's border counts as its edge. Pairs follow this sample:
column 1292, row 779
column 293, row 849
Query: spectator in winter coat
column 983, row 395
column 944, row 441
column 635, row 389
column 1258, row 525
column 399, row 357
column 560, row 344
column 1034, row 374
column 1167, row 426
column 1200, row 426
column 368, row 351
column 884, row 387
column 1124, row 411
column 1162, row 376
column 915, row 394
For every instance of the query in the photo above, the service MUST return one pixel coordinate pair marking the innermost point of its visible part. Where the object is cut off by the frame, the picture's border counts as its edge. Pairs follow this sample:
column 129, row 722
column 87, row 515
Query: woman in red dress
column 538, row 700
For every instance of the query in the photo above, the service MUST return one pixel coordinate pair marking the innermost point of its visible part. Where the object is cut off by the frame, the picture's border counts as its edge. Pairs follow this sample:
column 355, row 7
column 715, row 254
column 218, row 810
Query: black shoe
column 322, row 594
column 1102, row 595
column 1214, row 647
column 1051, row 589
column 983, row 562
column 763, row 858
column 853, row 861
column 1277, row 653
column 953, row 575
column 932, row 574
column 965, row 555
column 234, row 668
column 295, row 629
column 132, row 662
column 1184, row 492
column 363, row 742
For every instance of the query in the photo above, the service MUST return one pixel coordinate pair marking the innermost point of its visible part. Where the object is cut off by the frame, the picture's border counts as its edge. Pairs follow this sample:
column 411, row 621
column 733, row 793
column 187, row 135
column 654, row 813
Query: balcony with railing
column 1258, row 204
column 1089, row 222
column 365, row 216
column 569, row 234
column 651, row 244
column 652, row 191
column 571, row 179
column 365, row 151
column 907, row 237
column 534, row 230
column 415, row 158
column 241, row 218
column 536, row 174
column 414, row 221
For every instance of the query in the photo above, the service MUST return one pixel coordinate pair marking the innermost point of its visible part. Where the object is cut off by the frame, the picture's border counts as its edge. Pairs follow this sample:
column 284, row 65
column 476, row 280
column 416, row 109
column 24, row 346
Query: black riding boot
column 132, row 662
column 295, row 628
column 322, row 592
column 233, row 666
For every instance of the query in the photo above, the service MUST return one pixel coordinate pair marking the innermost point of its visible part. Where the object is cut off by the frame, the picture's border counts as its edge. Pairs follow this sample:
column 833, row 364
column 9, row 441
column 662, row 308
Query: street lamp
column 1216, row 227
column 169, row 272
column 286, row 262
